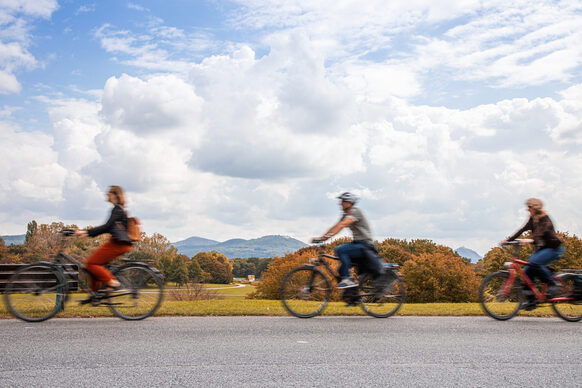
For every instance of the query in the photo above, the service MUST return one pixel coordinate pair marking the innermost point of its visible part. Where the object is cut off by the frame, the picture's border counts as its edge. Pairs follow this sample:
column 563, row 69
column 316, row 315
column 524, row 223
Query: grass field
column 230, row 307
column 233, row 302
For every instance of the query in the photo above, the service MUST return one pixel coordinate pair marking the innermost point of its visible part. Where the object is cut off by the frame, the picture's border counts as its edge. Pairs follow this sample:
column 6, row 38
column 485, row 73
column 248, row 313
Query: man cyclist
column 361, row 250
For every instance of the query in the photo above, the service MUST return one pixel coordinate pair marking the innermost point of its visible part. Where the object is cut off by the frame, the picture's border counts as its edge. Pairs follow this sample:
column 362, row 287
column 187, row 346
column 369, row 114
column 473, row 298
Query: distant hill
column 469, row 254
column 267, row 246
column 15, row 239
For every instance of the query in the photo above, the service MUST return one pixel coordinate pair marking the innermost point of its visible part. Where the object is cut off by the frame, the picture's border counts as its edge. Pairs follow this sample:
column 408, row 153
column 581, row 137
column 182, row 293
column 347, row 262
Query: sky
column 245, row 118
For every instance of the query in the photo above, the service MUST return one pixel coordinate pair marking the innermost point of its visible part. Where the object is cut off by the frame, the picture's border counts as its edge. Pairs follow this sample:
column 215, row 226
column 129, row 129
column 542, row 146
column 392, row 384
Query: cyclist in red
column 118, row 244
column 548, row 245
column 361, row 250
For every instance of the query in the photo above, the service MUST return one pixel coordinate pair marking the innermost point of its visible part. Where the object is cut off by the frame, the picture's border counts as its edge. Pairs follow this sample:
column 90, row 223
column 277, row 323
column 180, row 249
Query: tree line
column 432, row 272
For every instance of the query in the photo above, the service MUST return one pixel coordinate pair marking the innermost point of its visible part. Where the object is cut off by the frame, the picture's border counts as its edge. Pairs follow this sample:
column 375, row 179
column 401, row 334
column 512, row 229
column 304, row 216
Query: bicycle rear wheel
column 305, row 292
column 35, row 293
column 497, row 300
column 569, row 310
column 144, row 292
column 386, row 304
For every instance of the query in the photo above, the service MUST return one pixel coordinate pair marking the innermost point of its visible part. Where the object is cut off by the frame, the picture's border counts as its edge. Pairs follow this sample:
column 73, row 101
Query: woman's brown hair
column 538, row 207
column 117, row 192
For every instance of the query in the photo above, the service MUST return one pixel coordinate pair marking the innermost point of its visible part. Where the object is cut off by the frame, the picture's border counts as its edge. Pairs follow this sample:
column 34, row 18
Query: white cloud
column 159, row 104
column 16, row 22
column 32, row 176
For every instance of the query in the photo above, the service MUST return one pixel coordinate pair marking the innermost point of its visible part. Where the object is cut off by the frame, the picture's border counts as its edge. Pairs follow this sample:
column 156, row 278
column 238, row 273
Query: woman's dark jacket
column 116, row 225
column 542, row 231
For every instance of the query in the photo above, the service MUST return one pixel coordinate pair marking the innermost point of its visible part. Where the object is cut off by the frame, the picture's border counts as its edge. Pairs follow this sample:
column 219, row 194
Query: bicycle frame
column 320, row 261
column 61, row 259
column 514, row 269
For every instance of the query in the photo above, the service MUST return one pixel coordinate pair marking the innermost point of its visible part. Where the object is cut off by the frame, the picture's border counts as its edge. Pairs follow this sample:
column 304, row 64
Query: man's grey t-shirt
column 360, row 229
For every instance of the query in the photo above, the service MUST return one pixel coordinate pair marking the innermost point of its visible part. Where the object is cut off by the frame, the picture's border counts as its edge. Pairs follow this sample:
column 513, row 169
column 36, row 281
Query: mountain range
column 14, row 239
column 266, row 246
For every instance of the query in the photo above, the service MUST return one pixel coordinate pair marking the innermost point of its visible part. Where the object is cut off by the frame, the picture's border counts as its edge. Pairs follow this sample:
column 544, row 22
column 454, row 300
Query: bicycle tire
column 305, row 291
column 496, row 305
column 570, row 310
column 145, row 292
column 36, row 292
column 391, row 300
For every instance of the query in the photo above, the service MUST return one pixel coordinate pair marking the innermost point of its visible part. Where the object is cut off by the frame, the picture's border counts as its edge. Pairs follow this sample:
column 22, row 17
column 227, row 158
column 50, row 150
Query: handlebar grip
column 514, row 242
column 317, row 241
column 67, row 232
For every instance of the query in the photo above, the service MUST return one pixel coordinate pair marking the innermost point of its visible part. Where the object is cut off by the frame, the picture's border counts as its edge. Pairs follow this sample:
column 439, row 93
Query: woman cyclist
column 118, row 244
column 547, row 243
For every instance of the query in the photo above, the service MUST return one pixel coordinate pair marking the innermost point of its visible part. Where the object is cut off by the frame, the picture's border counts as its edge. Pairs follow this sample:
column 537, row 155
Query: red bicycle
column 502, row 293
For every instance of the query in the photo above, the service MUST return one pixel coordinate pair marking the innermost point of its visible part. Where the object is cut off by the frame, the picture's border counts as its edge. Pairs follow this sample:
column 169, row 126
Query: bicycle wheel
column 389, row 302
column 35, row 293
column 144, row 292
column 497, row 300
column 305, row 292
column 569, row 310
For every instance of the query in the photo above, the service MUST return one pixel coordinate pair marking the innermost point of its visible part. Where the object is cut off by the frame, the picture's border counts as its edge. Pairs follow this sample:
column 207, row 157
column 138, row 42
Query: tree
column 177, row 271
column 216, row 265
column 31, row 229
column 195, row 273
column 440, row 277
column 393, row 253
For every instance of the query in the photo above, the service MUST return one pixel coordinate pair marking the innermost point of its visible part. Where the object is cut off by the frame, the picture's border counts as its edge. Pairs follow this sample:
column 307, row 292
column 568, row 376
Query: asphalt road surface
column 292, row 352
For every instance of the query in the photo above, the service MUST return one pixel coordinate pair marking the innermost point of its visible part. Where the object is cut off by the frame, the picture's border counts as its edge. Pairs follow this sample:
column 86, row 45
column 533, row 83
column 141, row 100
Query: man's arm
column 343, row 223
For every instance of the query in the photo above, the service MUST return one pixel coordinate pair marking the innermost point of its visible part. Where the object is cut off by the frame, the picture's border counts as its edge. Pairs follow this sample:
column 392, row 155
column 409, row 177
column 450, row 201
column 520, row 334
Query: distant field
column 227, row 291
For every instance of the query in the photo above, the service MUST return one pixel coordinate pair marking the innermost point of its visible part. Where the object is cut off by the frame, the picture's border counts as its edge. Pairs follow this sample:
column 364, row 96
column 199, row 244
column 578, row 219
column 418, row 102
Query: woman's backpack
column 133, row 229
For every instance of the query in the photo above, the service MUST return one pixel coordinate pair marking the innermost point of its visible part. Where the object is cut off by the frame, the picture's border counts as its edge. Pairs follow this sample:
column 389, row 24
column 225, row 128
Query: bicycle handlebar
column 67, row 232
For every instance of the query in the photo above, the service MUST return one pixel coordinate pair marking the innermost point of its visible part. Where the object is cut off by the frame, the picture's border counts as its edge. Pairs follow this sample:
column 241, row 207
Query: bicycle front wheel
column 142, row 295
column 498, row 298
column 386, row 303
column 305, row 292
column 35, row 293
column 569, row 310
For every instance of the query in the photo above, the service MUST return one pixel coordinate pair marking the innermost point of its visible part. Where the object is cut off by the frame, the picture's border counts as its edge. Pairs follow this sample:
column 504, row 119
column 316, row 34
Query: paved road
column 286, row 351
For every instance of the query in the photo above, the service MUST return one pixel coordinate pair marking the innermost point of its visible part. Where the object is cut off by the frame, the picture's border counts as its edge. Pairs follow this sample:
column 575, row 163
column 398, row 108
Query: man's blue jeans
column 538, row 262
column 347, row 253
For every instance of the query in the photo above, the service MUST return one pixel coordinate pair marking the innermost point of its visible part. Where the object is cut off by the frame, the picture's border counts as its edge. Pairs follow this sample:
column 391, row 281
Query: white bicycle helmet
column 348, row 197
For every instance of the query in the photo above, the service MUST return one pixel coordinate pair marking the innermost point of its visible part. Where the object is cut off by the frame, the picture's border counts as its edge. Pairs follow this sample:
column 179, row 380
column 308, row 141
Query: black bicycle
column 306, row 290
column 39, row 291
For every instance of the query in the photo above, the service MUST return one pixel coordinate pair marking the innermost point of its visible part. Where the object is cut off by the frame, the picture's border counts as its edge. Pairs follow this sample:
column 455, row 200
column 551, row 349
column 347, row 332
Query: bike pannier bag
column 578, row 287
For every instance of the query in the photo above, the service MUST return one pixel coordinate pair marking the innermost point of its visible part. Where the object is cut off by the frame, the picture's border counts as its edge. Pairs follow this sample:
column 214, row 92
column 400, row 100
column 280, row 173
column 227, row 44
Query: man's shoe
column 346, row 283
